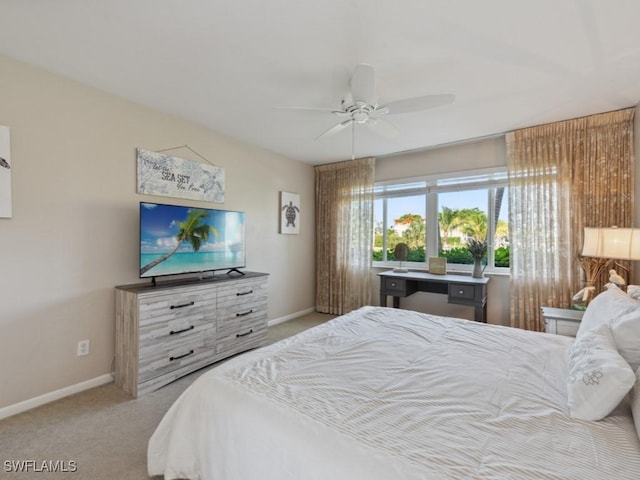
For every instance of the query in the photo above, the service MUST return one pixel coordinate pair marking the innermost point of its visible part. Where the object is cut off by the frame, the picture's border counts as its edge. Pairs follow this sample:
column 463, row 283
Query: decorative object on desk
column 289, row 213
column 601, row 247
column 169, row 176
column 438, row 265
column 400, row 253
column 5, row 174
column 478, row 249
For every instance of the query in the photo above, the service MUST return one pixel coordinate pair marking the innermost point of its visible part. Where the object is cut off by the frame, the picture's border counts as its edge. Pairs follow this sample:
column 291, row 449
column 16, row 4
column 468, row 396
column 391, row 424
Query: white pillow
column 626, row 335
column 633, row 291
column 607, row 306
column 635, row 403
column 599, row 377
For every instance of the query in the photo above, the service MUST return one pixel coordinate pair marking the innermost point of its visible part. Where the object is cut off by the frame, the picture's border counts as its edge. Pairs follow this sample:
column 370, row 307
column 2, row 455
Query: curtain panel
column 563, row 176
column 344, row 233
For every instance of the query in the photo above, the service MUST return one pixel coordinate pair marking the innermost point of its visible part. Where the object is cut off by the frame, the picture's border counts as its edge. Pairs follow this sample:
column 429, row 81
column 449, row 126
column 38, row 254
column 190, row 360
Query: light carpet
column 102, row 433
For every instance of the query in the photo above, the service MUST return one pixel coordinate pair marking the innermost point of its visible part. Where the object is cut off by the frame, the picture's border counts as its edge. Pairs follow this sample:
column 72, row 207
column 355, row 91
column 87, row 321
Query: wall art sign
column 6, row 210
column 169, row 176
column 289, row 213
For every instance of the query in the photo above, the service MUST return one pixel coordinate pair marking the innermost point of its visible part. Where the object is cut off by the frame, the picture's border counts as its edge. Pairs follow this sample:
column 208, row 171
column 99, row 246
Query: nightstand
column 562, row 321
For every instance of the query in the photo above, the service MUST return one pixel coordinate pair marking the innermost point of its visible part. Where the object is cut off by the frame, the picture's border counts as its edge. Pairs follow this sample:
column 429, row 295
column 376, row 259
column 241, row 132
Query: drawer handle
column 171, row 359
column 244, row 313
column 393, row 284
column 182, row 306
column 239, row 294
column 460, row 292
column 175, row 332
column 238, row 335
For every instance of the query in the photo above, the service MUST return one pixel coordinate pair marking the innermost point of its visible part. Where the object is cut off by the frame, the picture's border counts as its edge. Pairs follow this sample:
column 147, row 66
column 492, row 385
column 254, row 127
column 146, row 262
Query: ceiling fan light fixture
column 360, row 106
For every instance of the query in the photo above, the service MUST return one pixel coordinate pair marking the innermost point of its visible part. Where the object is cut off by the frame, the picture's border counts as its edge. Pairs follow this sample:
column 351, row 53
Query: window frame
column 431, row 186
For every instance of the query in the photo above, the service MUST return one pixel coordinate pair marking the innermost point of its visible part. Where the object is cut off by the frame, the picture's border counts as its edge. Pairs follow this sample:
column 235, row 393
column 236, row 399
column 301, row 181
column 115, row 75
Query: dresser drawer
column 237, row 301
column 170, row 334
column 164, row 308
column 462, row 291
column 237, row 293
column 166, row 357
column 238, row 338
column 568, row 328
column 562, row 321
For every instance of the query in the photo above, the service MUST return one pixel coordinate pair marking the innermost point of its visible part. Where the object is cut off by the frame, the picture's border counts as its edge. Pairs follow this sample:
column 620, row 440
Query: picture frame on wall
column 289, row 213
column 6, row 206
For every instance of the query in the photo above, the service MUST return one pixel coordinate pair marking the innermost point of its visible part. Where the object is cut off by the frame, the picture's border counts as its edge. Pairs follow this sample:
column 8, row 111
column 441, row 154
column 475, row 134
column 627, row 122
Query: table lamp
column 601, row 247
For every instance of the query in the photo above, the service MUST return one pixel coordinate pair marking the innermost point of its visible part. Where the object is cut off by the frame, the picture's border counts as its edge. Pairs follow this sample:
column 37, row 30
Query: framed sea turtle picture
column 289, row 213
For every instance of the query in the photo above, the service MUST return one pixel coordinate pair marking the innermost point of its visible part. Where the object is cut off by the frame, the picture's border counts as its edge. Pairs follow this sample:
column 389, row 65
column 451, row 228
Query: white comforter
column 391, row 394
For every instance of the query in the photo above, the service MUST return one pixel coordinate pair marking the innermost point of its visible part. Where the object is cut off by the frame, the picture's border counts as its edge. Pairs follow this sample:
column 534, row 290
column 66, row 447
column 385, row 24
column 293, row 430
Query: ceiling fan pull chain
column 353, row 141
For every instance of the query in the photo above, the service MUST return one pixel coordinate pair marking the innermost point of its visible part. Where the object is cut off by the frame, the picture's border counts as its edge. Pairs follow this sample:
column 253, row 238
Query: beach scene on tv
column 176, row 239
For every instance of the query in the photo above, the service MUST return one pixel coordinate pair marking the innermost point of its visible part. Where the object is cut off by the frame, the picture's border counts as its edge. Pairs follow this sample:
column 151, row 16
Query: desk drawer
column 397, row 285
column 461, row 291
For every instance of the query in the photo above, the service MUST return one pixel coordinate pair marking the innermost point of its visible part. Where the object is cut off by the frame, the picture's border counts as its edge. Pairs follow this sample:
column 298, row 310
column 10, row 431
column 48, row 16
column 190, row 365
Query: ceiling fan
column 360, row 106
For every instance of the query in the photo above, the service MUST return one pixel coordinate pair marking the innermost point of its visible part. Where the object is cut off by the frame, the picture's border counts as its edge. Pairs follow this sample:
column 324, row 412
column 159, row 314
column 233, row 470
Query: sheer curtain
column 563, row 177
column 344, row 235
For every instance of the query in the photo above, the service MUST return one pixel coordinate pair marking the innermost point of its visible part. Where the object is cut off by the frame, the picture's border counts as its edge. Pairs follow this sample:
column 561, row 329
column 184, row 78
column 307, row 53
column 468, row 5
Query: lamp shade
column 619, row 243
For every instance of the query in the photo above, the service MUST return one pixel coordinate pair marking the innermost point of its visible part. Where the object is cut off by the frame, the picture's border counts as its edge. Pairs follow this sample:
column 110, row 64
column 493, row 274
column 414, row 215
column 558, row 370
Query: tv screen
column 177, row 239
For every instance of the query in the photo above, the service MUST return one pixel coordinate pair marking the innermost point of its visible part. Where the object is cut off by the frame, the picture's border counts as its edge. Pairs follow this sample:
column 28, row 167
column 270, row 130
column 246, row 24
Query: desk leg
column 383, row 301
column 480, row 313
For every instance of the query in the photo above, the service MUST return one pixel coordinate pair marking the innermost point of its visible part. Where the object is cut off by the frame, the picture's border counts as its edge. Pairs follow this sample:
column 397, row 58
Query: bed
column 391, row 394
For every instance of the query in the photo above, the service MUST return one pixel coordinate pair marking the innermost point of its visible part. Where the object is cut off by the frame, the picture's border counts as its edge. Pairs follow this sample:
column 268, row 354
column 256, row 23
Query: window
column 436, row 216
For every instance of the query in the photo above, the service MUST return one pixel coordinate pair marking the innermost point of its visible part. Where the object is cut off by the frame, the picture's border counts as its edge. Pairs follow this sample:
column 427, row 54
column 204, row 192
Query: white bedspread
column 392, row 394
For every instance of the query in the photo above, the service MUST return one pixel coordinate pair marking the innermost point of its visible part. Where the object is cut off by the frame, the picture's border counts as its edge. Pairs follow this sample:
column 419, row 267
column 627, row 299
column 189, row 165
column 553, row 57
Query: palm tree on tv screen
column 192, row 230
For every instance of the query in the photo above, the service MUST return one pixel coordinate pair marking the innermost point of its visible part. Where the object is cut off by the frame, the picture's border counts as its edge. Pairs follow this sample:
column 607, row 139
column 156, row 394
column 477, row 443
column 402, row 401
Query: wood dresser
column 166, row 331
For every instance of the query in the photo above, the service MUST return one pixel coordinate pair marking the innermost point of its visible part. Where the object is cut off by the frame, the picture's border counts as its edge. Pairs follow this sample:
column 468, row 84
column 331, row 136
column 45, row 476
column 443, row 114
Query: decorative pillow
column 634, row 291
column 635, row 403
column 599, row 377
column 626, row 335
column 607, row 306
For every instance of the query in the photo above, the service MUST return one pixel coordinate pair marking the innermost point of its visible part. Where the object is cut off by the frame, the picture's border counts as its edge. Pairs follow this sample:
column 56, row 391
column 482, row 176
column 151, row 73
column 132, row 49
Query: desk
column 461, row 289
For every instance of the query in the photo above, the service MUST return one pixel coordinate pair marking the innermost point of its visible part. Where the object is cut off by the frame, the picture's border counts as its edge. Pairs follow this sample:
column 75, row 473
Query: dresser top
column 191, row 281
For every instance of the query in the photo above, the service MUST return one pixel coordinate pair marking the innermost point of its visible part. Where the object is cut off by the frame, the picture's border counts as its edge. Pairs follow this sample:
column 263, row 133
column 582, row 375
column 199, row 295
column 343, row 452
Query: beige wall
column 465, row 156
column 74, row 231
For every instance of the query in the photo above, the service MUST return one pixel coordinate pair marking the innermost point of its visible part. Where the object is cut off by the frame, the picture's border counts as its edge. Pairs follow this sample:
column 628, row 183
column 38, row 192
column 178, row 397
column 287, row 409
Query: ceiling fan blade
column 335, row 129
column 416, row 104
column 363, row 84
column 313, row 109
column 382, row 127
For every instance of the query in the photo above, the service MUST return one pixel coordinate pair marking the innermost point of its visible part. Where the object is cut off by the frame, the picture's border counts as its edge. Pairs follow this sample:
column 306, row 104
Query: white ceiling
column 227, row 64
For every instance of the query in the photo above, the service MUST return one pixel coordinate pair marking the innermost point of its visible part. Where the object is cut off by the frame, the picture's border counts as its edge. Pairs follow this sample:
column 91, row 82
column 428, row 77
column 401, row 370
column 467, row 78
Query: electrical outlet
column 83, row 347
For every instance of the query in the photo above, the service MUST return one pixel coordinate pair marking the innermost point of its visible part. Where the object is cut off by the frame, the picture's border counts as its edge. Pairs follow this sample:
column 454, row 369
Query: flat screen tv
column 177, row 239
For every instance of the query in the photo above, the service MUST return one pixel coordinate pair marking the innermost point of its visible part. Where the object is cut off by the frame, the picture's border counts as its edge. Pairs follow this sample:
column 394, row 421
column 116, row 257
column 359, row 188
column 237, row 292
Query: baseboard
column 20, row 407
column 55, row 395
column 276, row 321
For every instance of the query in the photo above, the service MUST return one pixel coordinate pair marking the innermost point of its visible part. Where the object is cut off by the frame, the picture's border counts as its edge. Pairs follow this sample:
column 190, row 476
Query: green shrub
column 457, row 255
column 454, row 255
column 502, row 257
